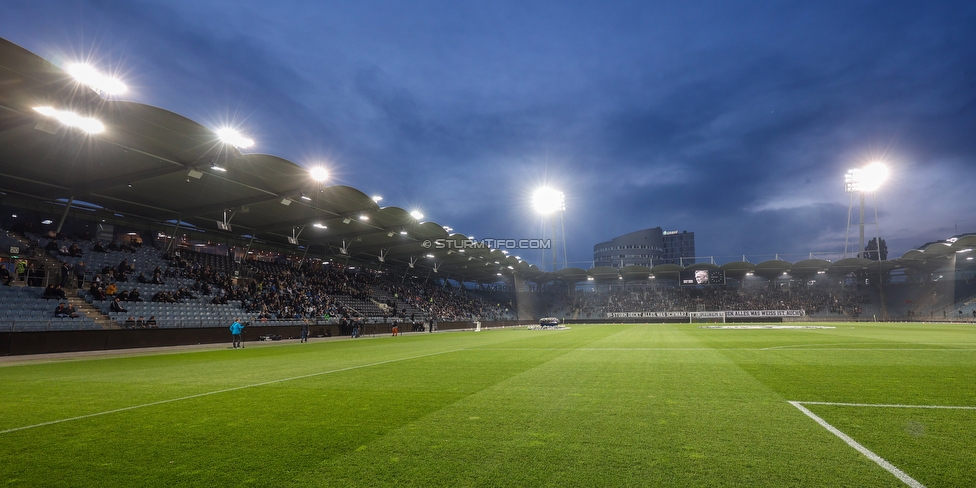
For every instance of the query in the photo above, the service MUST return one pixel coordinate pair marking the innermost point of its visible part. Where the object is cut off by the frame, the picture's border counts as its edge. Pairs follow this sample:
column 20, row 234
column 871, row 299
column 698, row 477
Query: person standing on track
column 235, row 330
column 304, row 331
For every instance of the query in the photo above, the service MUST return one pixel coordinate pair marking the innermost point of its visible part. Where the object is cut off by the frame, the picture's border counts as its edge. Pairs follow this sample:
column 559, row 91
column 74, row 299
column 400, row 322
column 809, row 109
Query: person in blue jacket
column 235, row 329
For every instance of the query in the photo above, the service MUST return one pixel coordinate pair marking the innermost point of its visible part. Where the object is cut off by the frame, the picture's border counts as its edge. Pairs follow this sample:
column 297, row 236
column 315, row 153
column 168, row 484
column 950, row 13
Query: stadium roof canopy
column 153, row 166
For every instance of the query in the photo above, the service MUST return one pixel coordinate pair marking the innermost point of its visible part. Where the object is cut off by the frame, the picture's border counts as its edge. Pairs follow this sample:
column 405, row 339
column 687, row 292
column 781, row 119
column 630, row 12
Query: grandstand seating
column 366, row 295
column 25, row 310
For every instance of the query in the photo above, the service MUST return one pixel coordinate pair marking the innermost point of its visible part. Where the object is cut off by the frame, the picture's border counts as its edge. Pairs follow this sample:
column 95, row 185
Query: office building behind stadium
column 648, row 247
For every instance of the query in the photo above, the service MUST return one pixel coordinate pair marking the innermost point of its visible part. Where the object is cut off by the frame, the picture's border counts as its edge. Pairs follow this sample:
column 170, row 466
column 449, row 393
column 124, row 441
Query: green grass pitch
column 596, row 405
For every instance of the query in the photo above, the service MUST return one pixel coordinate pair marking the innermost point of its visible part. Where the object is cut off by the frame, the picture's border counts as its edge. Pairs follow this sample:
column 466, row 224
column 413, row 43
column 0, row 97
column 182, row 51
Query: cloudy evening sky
column 735, row 120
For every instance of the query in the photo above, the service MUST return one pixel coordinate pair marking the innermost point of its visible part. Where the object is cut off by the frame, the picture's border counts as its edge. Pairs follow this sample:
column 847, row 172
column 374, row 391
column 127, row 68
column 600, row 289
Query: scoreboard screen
column 702, row 277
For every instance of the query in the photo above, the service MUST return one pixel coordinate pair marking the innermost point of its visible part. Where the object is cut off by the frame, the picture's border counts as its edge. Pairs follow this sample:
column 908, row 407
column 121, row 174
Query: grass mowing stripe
column 881, row 405
column 901, row 475
column 226, row 390
column 488, row 348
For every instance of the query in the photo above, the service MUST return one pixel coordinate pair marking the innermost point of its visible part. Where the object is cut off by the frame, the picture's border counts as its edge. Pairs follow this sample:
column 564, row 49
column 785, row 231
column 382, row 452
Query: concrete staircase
column 380, row 297
column 52, row 269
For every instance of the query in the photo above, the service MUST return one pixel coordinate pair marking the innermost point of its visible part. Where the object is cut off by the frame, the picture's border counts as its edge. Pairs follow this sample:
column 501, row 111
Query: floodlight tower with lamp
column 860, row 181
column 548, row 202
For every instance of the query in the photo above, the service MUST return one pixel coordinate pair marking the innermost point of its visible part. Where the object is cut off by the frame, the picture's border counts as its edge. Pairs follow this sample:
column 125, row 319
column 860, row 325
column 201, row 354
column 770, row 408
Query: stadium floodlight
column 318, row 173
column 101, row 84
column 364, row 218
column 416, row 214
column 546, row 200
column 860, row 181
column 866, row 179
column 377, row 198
column 550, row 204
column 72, row 119
column 234, row 138
column 319, row 225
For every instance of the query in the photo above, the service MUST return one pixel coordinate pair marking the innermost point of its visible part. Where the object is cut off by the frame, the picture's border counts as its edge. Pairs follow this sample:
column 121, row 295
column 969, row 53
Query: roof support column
column 248, row 250
column 407, row 270
column 176, row 229
column 64, row 216
column 302, row 262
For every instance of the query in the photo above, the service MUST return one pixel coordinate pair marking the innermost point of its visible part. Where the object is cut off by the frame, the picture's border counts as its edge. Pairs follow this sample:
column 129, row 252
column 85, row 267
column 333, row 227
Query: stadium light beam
column 318, row 173
column 234, row 138
column 71, row 119
column 866, row 179
column 546, row 201
column 416, row 214
column 101, row 84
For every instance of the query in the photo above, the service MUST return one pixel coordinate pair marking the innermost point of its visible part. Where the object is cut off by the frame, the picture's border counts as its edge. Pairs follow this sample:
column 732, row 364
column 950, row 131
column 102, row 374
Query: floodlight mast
column 860, row 181
column 547, row 202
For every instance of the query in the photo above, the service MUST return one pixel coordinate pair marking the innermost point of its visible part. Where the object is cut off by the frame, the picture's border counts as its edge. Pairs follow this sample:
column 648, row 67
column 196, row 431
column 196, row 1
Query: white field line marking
column 804, row 349
column 901, row 475
column 826, row 345
column 882, row 405
column 226, row 390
